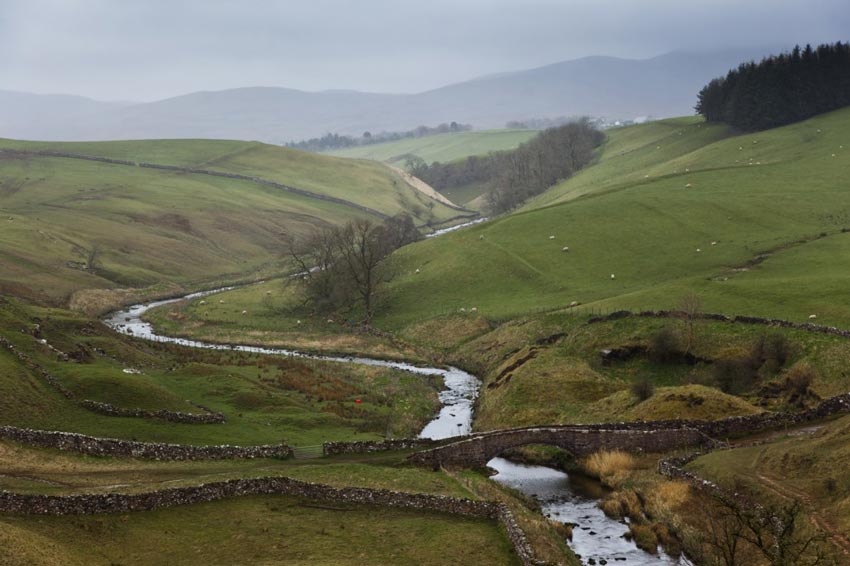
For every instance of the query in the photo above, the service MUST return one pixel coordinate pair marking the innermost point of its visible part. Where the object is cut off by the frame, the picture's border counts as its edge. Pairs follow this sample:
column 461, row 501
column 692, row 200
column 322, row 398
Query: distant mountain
column 598, row 86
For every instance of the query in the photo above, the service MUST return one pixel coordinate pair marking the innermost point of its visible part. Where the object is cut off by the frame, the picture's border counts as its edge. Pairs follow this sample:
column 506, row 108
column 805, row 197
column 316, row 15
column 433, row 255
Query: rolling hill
column 754, row 224
column 599, row 86
column 220, row 216
column 441, row 147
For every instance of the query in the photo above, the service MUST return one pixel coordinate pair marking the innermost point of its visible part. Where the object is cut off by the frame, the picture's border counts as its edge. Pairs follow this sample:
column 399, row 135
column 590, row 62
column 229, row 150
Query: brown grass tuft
column 609, row 466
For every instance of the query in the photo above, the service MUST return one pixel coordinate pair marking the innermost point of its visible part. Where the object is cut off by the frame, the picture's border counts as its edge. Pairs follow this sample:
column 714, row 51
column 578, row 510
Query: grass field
column 440, row 147
column 265, row 399
column 647, row 214
column 807, row 466
column 167, row 228
column 268, row 530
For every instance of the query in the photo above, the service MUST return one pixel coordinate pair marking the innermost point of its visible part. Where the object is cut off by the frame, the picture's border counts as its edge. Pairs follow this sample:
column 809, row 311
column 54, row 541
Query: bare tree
column 737, row 532
column 341, row 266
column 690, row 305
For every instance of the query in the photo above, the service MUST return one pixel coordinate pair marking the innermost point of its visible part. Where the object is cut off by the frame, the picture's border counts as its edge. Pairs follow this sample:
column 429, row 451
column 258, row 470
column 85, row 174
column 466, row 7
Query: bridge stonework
column 479, row 449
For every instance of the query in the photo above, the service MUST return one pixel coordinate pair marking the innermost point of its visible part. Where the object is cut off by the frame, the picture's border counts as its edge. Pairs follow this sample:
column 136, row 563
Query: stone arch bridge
column 478, row 449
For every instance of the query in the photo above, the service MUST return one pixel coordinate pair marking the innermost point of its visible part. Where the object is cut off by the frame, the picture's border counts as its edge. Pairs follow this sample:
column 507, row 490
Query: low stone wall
column 739, row 319
column 163, row 414
column 367, row 447
column 94, row 446
column 210, row 417
column 124, row 503
column 237, row 176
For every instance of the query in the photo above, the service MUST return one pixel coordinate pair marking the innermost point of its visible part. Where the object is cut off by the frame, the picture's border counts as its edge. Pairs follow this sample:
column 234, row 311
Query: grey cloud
column 144, row 50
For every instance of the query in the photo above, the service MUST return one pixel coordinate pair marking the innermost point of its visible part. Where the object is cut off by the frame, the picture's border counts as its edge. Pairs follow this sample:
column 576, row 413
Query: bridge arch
column 477, row 450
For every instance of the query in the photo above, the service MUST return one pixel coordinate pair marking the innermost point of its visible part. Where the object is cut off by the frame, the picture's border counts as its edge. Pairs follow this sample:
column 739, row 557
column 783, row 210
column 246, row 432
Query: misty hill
column 600, row 86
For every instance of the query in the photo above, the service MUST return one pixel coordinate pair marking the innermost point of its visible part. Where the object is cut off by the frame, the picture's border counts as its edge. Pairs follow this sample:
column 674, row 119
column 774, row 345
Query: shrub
column 643, row 389
column 664, row 346
column 734, row 375
column 777, row 349
column 799, row 378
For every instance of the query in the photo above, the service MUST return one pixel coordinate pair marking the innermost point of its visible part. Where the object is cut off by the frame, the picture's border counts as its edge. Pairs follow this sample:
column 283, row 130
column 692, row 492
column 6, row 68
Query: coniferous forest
column 780, row 89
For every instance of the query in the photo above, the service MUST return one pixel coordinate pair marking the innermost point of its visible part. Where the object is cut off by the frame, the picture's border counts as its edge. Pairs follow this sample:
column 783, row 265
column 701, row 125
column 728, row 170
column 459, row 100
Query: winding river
column 563, row 498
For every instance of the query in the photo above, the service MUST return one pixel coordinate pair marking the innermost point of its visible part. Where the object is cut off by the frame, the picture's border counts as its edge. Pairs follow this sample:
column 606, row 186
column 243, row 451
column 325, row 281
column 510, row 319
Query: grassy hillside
column 808, row 465
column 753, row 224
column 165, row 227
column 441, row 147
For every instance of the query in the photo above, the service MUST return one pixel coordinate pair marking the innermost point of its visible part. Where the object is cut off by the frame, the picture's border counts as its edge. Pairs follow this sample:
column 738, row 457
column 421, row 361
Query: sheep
column 833, row 155
column 268, row 292
column 565, row 249
column 297, row 322
column 481, row 237
column 740, row 147
column 645, row 177
column 330, row 321
column 574, row 304
column 688, row 186
column 462, row 309
column 657, row 147
column 812, row 316
column 687, row 170
column 244, row 312
column 221, row 301
column 417, row 270
column 551, row 237
column 612, row 276
column 713, row 243
column 202, row 303
column 698, row 250
column 473, row 309
column 818, row 130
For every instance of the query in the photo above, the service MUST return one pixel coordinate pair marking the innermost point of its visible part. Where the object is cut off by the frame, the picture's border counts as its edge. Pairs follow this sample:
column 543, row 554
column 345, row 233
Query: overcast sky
column 150, row 49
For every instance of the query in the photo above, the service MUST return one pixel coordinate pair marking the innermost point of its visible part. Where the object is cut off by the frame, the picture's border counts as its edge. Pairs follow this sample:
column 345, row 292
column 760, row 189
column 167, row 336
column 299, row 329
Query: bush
column 777, row 351
column 734, row 375
column 799, row 378
column 643, row 389
column 664, row 346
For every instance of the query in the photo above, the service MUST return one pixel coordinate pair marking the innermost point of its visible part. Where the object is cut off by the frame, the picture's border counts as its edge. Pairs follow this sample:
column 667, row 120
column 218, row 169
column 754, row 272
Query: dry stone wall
column 367, row 447
column 210, row 417
column 123, row 503
column 94, row 446
column 198, row 171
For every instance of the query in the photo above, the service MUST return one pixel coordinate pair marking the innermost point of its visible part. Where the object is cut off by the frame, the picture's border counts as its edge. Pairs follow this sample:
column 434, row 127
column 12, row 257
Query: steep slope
column 173, row 227
column 640, row 225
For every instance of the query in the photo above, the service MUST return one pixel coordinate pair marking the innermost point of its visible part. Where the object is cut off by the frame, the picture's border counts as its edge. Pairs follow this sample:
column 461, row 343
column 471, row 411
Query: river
column 563, row 498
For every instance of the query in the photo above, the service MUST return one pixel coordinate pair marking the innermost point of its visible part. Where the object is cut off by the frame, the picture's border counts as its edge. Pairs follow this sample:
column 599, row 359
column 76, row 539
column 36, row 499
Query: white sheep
column 473, row 309
column 646, row 176
column 297, row 322
column 551, row 237
column 698, row 250
column 833, row 155
column 417, row 270
column 462, row 309
column 330, row 321
column 221, row 301
column 688, row 186
column 202, row 303
column 612, row 276
column 818, row 130
column 713, row 243
column 244, row 312
column 812, row 316
column 565, row 249
column 574, row 304
column 687, row 170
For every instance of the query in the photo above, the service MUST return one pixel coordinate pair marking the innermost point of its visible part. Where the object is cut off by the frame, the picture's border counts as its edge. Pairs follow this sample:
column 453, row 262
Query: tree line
column 342, row 268
column 513, row 176
column 781, row 89
column 331, row 141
